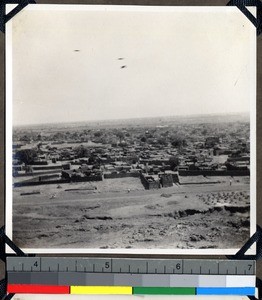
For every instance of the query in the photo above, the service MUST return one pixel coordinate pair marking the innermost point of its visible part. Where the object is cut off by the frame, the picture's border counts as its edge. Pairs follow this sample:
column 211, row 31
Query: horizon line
column 132, row 118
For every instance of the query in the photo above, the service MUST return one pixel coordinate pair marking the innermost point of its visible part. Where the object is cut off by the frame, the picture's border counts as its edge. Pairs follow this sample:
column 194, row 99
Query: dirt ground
column 119, row 213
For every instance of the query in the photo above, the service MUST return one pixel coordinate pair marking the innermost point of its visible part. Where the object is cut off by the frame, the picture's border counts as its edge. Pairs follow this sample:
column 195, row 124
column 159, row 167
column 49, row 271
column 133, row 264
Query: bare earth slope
column 187, row 216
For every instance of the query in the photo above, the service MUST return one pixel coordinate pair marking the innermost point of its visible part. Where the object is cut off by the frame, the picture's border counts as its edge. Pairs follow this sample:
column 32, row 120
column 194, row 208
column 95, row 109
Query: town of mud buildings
column 159, row 155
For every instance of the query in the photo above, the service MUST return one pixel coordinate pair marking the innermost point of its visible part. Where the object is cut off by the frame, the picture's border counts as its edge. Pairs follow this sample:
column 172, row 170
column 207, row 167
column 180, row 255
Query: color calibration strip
column 129, row 284
column 125, row 290
column 50, row 275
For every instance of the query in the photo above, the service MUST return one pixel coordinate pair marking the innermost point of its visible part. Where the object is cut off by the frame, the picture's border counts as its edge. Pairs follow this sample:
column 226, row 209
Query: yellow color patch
column 113, row 290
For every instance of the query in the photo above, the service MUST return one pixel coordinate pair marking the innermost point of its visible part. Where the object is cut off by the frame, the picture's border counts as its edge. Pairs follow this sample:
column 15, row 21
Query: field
column 119, row 213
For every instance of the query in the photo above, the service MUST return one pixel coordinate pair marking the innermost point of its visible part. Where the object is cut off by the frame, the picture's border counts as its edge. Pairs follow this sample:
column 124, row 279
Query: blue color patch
column 245, row 291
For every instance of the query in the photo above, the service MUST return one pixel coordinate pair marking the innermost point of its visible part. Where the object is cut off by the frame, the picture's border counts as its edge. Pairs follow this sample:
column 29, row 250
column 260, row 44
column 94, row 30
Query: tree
column 26, row 156
column 166, row 133
column 97, row 133
column 204, row 131
column 25, row 138
column 162, row 141
column 82, row 151
column 173, row 162
column 120, row 135
column 39, row 145
column 178, row 142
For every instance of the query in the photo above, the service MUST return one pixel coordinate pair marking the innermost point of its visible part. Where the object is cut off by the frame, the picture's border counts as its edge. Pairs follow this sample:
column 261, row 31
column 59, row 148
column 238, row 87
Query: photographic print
column 130, row 129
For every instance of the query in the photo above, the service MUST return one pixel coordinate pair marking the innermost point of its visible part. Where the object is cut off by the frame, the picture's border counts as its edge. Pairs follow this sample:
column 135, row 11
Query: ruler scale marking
column 232, row 268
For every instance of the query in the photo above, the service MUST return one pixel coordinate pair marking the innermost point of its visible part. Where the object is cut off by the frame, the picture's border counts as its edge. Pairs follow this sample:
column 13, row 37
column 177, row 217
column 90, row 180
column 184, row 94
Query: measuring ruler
column 130, row 276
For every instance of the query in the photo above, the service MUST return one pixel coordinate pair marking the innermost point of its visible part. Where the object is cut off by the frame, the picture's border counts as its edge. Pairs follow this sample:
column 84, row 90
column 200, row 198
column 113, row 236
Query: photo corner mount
column 4, row 18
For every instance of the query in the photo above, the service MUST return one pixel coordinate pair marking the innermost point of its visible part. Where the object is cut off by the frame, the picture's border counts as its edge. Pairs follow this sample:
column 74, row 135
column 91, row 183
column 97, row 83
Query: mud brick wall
column 149, row 185
column 214, row 173
column 121, row 175
column 166, row 180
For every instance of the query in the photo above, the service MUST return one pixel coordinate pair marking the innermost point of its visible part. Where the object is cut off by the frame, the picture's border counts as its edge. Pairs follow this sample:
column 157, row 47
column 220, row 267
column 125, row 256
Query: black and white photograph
column 130, row 129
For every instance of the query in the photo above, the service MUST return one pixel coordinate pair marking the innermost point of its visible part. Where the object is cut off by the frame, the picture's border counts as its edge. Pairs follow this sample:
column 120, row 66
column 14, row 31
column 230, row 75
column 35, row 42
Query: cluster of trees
column 26, row 156
column 175, row 141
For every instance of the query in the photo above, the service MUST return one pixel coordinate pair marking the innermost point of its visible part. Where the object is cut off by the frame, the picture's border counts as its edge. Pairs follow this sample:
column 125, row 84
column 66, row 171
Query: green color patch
column 163, row 291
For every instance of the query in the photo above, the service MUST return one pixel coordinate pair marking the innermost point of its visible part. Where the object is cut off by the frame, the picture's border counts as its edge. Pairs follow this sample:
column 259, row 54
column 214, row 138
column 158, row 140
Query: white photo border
column 9, row 130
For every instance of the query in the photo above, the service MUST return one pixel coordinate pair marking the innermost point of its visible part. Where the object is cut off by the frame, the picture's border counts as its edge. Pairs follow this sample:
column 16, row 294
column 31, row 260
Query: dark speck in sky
column 120, row 58
column 77, row 50
column 122, row 67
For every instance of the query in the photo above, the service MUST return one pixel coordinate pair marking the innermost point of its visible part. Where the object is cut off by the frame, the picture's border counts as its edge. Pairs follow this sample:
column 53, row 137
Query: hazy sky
column 176, row 62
